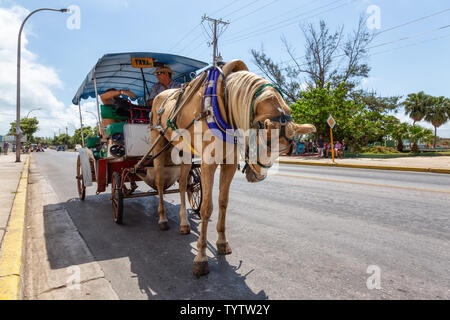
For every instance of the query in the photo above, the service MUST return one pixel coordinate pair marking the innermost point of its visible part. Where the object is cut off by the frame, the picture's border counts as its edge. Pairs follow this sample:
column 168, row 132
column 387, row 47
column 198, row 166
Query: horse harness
column 220, row 128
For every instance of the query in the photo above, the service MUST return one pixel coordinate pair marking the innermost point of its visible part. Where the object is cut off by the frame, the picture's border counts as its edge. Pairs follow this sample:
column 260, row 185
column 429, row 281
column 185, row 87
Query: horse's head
column 259, row 106
column 275, row 130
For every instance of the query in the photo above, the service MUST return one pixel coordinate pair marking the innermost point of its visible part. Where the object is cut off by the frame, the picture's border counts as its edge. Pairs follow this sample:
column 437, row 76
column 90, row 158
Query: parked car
column 61, row 148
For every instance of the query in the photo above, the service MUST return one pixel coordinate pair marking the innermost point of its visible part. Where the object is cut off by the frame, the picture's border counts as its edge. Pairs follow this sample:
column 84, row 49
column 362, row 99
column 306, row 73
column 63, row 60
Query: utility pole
column 215, row 35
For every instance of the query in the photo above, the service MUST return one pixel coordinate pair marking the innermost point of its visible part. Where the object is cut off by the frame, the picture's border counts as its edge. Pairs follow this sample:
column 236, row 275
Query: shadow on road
column 140, row 261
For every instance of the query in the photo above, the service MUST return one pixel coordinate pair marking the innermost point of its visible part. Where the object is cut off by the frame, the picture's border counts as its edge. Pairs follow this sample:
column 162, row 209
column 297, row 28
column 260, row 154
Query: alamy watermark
column 73, row 281
column 374, row 19
column 73, row 22
column 374, row 281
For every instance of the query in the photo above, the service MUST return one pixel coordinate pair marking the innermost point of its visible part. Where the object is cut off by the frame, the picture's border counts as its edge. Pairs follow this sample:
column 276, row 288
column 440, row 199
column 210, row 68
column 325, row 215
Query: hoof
column 185, row 229
column 163, row 226
column 223, row 248
column 201, row 268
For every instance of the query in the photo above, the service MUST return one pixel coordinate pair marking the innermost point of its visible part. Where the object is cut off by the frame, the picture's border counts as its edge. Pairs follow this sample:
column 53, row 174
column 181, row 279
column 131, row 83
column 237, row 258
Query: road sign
column 331, row 122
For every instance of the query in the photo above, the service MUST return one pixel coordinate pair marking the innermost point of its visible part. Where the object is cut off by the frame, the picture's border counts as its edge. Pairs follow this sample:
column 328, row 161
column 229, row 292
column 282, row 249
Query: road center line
column 363, row 183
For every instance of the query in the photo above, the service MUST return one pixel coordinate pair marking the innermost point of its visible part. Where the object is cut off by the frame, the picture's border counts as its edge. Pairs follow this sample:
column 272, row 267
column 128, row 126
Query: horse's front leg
column 184, row 174
column 201, row 260
column 227, row 172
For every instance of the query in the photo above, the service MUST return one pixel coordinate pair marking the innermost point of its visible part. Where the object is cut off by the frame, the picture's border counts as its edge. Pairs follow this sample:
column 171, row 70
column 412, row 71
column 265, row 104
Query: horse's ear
column 234, row 66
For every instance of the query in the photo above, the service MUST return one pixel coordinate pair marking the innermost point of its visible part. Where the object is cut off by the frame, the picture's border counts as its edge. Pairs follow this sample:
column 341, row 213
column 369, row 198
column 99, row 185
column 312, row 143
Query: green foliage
column 416, row 105
column 87, row 132
column 438, row 113
column 416, row 134
column 378, row 150
column 356, row 123
column 28, row 126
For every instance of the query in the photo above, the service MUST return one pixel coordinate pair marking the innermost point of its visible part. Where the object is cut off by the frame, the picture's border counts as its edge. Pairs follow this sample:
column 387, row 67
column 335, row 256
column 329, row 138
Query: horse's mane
column 242, row 86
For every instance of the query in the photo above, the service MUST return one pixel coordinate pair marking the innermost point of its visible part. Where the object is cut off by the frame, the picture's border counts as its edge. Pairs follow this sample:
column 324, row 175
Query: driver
column 164, row 76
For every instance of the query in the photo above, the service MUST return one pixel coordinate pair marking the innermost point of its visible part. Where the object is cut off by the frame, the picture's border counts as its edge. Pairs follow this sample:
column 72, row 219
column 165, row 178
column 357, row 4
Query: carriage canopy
column 134, row 71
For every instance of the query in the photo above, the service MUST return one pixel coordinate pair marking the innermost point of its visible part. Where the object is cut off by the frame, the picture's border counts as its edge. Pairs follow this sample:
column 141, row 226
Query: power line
column 284, row 24
column 409, row 45
column 391, row 28
column 413, row 21
column 243, row 7
column 185, row 36
column 392, row 42
column 283, row 15
column 228, row 5
column 254, row 11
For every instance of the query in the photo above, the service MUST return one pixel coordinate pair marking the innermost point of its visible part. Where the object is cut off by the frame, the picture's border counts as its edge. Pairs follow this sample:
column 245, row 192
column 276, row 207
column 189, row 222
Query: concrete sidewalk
column 10, row 172
column 13, row 190
column 420, row 164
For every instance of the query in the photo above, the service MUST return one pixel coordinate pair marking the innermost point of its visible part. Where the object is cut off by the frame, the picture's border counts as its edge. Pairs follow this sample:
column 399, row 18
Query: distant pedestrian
column 320, row 145
column 337, row 148
column 5, row 147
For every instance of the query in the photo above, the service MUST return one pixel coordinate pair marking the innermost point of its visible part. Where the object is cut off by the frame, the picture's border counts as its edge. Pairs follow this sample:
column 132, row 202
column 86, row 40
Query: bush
column 379, row 150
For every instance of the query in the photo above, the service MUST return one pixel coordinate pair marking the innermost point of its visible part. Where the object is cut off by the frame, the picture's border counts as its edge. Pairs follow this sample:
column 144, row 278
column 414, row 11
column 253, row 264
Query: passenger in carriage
column 113, row 97
column 164, row 76
column 110, row 94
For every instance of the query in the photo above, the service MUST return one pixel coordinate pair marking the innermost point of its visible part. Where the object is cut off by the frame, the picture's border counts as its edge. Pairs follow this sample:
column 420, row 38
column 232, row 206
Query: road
column 305, row 233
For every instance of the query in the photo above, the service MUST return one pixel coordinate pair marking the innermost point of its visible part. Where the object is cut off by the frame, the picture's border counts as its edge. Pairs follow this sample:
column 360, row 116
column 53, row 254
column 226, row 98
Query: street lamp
column 32, row 111
column 96, row 118
column 18, row 131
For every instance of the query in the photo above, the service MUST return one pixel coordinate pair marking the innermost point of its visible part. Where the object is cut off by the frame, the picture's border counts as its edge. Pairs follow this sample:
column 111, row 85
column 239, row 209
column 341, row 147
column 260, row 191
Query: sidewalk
column 11, row 228
column 420, row 164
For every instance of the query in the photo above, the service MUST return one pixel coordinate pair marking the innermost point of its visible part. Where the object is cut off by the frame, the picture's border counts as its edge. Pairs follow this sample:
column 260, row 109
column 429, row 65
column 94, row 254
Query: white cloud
column 37, row 81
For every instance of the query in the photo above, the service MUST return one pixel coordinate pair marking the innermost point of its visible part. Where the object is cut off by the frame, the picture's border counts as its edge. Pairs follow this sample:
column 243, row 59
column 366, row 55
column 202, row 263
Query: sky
column 409, row 55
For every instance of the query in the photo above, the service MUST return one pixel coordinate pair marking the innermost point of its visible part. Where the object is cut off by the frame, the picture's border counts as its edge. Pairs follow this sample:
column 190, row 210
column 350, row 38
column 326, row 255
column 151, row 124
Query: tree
column 87, row 132
column 437, row 114
column 328, row 58
column 354, row 122
column 416, row 134
column 28, row 126
column 416, row 105
column 374, row 102
column 399, row 132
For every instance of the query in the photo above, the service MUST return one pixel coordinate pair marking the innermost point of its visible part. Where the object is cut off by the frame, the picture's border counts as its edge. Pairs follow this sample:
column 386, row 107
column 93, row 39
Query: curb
column 361, row 166
column 11, row 251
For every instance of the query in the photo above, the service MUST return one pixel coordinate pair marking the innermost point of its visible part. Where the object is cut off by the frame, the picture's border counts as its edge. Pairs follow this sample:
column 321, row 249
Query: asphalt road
column 304, row 233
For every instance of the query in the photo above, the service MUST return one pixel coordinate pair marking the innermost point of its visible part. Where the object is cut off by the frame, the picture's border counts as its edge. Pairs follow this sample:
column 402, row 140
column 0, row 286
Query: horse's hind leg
column 227, row 172
column 158, row 167
column 201, row 260
column 184, row 222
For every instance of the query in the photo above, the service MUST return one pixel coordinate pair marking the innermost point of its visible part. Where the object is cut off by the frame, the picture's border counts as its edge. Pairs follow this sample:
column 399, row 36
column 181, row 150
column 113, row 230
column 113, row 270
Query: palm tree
column 416, row 134
column 400, row 132
column 416, row 105
column 438, row 114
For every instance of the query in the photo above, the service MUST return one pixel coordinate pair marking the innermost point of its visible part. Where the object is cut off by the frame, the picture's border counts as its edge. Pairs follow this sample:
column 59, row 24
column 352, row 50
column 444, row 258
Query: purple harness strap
column 214, row 120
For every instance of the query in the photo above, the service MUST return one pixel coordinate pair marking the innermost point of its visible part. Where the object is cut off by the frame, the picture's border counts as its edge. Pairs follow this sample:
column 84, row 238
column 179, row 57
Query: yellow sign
column 142, row 62
column 331, row 122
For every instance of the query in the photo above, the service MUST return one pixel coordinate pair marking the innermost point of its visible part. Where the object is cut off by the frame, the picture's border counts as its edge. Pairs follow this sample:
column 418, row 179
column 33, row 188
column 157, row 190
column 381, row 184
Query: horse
column 246, row 101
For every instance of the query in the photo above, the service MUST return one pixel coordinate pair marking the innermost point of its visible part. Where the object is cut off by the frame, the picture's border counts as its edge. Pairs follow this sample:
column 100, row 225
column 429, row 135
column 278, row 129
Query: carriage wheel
column 194, row 189
column 80, row 184
column 117, row 198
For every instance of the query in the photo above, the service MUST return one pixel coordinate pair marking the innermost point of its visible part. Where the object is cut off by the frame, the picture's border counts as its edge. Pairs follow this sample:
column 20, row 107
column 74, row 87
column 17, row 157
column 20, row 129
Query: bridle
column 283, row 119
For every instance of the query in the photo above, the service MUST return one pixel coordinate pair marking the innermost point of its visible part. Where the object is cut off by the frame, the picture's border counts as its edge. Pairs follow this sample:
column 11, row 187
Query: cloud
column 37, row 81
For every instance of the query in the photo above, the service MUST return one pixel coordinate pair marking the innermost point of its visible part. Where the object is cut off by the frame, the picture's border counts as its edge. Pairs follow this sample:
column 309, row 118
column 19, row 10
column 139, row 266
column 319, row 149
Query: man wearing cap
column 164, row 76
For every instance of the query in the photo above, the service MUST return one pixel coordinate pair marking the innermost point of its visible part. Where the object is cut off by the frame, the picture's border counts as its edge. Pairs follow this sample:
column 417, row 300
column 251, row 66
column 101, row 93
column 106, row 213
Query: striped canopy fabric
column 116, row 70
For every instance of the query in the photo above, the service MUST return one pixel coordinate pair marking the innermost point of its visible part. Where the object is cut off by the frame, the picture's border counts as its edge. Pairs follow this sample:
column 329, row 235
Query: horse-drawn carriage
column 113, row 156
column 237, row 113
